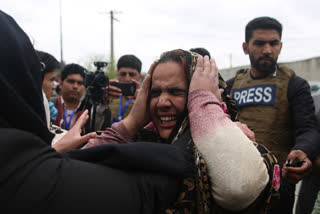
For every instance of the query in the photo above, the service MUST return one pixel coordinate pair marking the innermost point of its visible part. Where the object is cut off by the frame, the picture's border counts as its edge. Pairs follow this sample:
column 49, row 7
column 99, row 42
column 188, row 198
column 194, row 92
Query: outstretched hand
column 206, row 76
column 139, row 115
column 73, row 138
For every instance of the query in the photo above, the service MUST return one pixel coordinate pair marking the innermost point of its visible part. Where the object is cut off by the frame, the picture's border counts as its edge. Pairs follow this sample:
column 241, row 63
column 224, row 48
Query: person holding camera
column 72, row 90
column 129, row 77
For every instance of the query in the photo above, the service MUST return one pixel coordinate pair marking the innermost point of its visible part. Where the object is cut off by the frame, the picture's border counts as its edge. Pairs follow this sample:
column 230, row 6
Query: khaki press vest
column 264, row 107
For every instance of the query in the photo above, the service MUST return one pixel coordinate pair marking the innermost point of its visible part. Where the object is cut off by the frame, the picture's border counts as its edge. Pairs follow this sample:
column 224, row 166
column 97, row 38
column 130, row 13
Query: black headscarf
column 20, row 82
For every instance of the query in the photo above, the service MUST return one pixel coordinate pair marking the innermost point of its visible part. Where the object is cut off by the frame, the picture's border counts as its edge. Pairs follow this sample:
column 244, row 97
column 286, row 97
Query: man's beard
column 263, row 67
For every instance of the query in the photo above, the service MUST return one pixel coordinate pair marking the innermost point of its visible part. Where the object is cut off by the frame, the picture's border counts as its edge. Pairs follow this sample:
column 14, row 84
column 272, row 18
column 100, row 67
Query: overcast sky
column 147, row 28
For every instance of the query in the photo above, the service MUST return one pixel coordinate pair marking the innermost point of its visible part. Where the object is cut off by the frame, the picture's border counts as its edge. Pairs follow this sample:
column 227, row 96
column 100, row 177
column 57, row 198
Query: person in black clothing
column 276, row 105
column 34, row 178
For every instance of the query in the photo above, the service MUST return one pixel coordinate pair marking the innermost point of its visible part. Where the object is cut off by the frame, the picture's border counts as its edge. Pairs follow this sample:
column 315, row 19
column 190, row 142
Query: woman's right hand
column 139, row 114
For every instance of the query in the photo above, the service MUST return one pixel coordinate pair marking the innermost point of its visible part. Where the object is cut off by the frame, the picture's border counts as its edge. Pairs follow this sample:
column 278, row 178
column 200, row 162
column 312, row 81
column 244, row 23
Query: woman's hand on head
column 206, row 76
column 139, row 114
column 73, row 138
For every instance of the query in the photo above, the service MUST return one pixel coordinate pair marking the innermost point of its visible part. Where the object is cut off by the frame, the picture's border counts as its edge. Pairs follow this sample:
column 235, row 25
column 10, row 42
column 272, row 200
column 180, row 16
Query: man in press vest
column 276, row 105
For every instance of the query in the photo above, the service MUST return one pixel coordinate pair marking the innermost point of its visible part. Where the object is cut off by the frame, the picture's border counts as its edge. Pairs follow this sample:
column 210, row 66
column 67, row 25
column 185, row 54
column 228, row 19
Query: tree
column 112, row 70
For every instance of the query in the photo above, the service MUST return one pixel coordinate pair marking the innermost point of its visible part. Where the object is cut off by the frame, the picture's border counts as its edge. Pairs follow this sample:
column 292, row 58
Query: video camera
column 95, row 82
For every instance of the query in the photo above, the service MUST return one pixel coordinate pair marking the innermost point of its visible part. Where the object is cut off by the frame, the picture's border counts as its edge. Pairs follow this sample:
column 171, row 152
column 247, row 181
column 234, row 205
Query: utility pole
column 111, row 36
column 61, row 44
column 111, row 68
column 111, row 32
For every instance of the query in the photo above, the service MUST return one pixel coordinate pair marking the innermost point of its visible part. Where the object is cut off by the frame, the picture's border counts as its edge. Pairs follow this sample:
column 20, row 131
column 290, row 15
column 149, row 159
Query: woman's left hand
column 206, row 76
column 73, row 138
